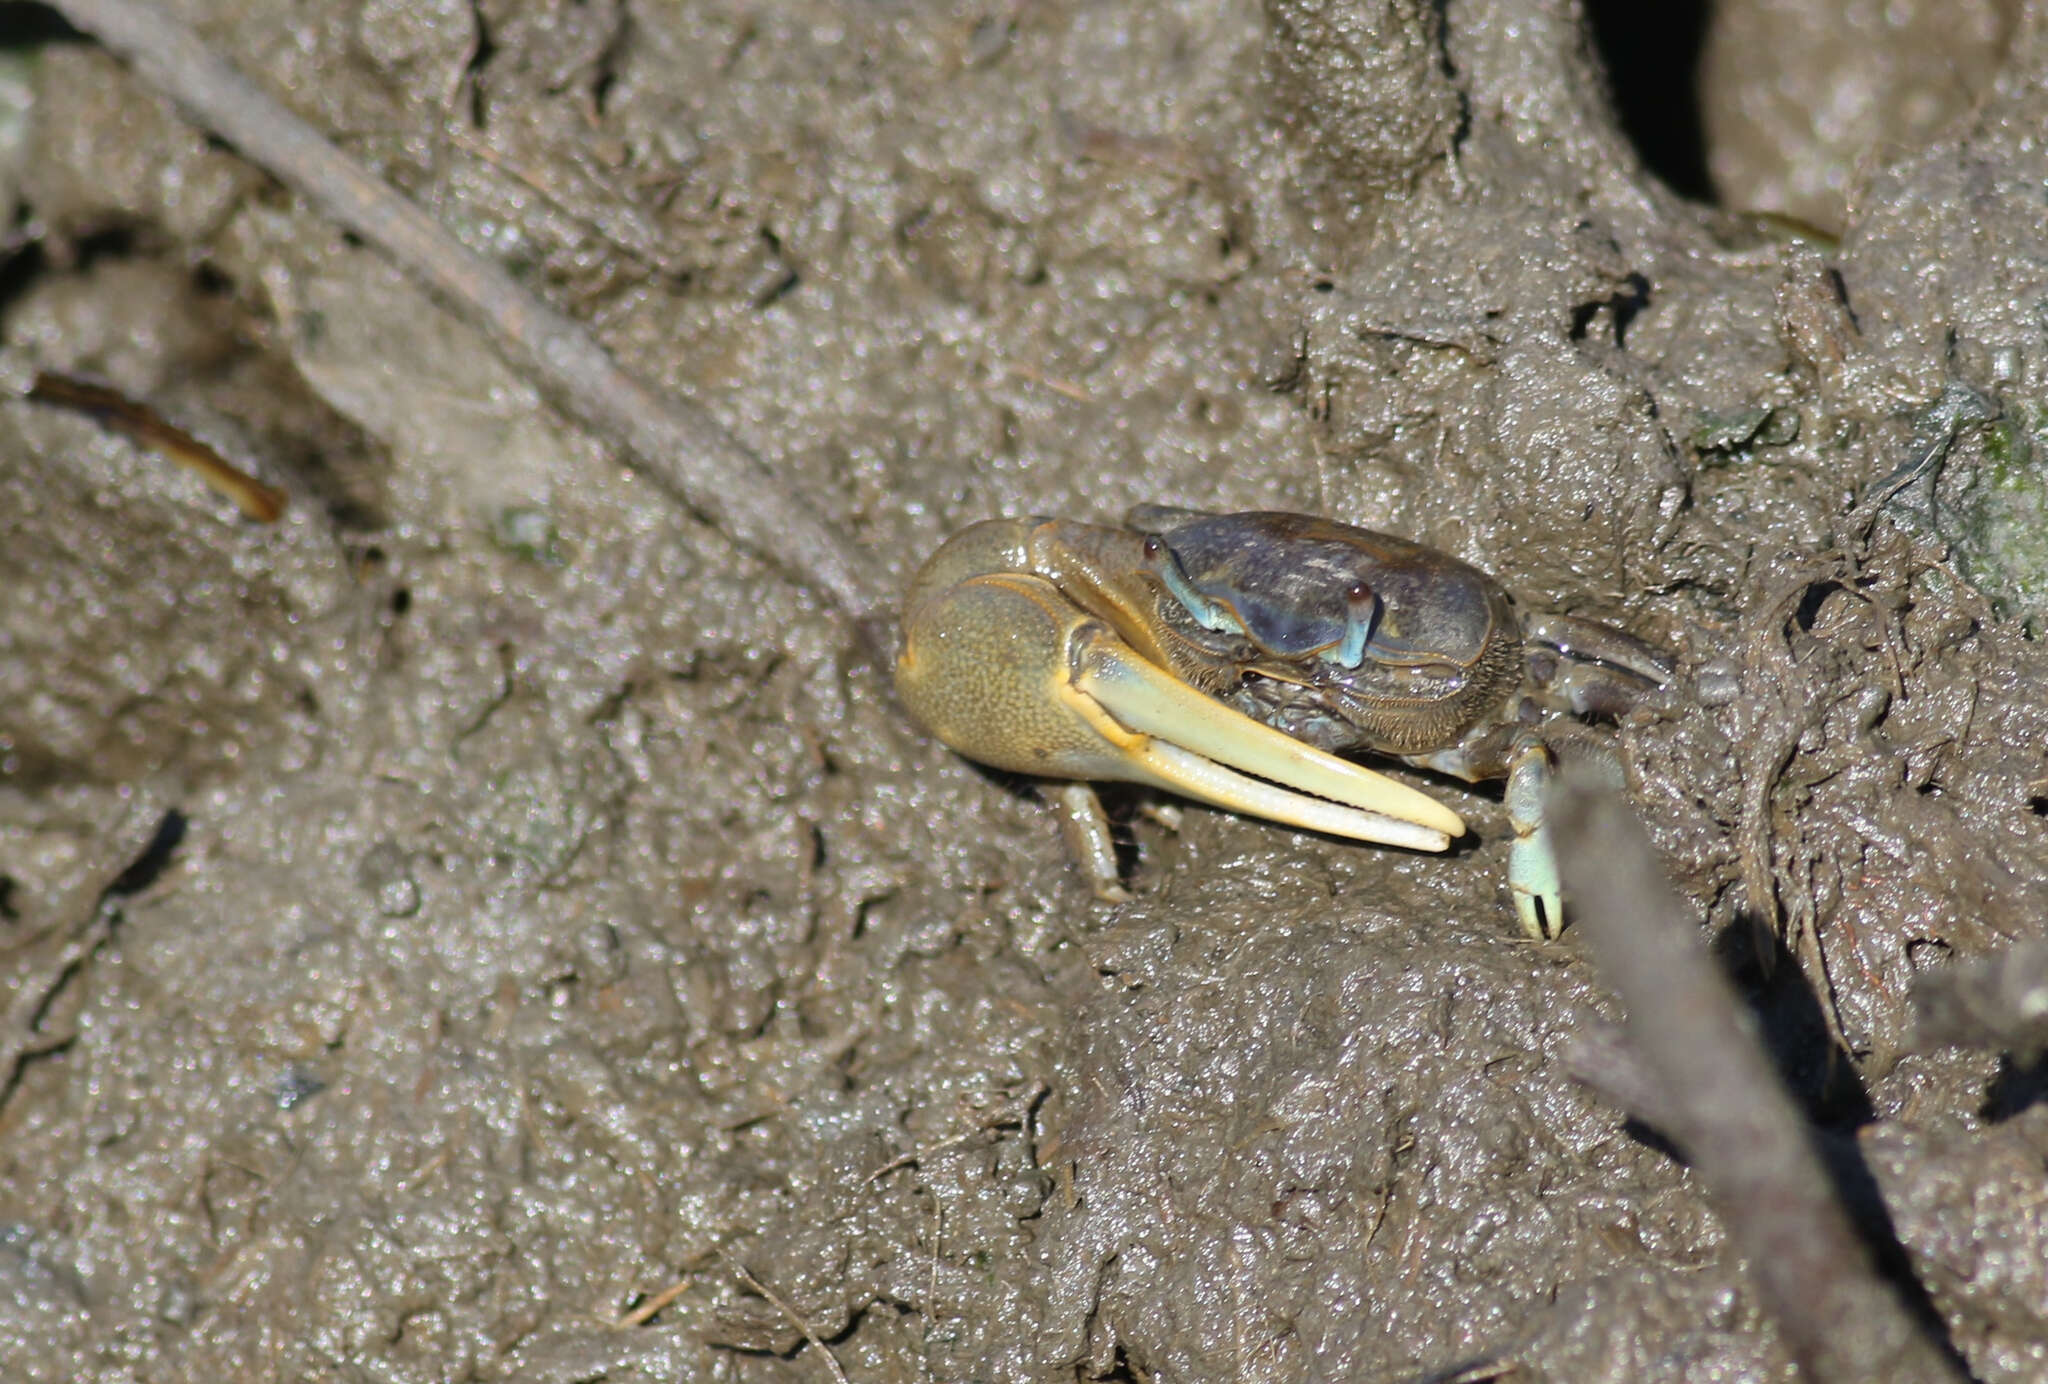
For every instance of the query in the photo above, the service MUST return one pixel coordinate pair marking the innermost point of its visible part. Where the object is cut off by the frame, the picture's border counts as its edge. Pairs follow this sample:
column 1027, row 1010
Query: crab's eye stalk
column 1361, row 614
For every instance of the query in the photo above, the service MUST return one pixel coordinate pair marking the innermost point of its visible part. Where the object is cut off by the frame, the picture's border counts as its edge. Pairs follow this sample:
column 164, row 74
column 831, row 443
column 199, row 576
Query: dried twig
column 1013, row 1114
column 145, row 427
column 1721, row 1102
column 678, row 447
column 1998, row 1002
column 651, row 1308
column 739, row 1269
column 1598, row 1056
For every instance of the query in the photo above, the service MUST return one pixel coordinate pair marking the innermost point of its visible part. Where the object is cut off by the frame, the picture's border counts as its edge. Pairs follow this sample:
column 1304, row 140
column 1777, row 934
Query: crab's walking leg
column 1532, row 861
column 1520, row 755
column 1085, row 826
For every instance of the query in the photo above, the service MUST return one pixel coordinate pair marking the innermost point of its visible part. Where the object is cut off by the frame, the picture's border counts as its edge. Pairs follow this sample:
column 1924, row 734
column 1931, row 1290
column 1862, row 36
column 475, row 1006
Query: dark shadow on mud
column 2018, row 1087
column 1824, row 1082
column 1858, row 1188
column 1822, row 1078
column 26, row 26
column 155, row 857
column 1652, row 55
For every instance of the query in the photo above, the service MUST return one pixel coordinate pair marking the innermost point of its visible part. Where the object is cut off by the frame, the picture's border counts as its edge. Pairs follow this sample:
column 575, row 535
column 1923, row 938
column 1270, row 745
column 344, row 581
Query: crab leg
column 1532, row 861
column 1527, row 764
column 1006, row 670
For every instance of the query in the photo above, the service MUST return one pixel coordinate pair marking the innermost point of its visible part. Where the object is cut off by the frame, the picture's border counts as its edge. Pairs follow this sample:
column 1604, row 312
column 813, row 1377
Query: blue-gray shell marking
column 1291, row 578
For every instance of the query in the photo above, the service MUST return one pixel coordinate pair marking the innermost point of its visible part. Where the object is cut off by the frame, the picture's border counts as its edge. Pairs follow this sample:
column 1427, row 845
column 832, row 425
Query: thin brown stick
column 647, row 1310
column 145, row 427
column 677, row 446
column 1720, row 1100
column 831, row 1361
column 1014, row 1114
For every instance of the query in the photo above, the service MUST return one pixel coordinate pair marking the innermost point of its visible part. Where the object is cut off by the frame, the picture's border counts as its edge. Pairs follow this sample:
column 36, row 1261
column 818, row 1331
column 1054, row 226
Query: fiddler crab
column 1225, row 657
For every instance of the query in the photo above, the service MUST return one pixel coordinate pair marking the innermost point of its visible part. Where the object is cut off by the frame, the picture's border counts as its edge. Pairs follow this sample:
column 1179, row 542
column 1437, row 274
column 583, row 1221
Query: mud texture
column 486, row 927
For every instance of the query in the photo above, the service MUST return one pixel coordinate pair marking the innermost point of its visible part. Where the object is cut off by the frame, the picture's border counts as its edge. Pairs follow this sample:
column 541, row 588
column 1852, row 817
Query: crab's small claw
column 1005, row 669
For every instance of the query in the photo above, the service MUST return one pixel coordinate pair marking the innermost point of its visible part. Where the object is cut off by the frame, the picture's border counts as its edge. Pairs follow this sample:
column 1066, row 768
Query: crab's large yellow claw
column 1004, row 669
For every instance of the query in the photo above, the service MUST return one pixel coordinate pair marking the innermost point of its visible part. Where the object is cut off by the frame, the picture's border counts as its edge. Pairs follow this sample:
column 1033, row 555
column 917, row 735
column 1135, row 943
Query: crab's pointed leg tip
column 1534, row 883
column 1541, row 915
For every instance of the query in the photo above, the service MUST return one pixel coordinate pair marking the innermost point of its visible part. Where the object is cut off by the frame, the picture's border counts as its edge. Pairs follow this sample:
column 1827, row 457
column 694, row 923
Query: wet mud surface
column 485, row 926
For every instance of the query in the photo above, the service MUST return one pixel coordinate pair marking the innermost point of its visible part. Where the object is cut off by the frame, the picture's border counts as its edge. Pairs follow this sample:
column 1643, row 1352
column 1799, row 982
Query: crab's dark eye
column 1153, row 547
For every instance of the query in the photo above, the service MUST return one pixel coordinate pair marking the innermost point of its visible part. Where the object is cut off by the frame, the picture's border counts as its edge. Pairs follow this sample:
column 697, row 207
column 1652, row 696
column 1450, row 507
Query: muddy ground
column 485, row 926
